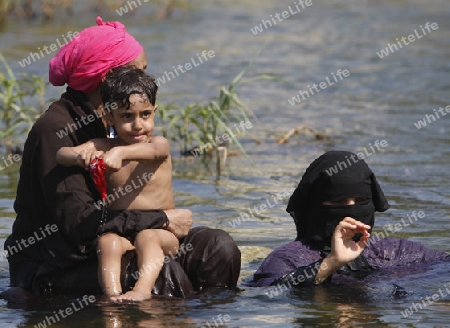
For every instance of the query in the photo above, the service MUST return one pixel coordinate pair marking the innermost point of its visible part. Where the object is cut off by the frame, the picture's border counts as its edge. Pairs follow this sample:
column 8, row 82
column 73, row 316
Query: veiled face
column 345, row 201
column 334, row 186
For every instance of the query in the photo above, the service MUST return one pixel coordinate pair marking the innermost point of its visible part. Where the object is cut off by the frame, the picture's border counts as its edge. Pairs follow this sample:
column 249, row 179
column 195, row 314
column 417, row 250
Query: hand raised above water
column 343, row 248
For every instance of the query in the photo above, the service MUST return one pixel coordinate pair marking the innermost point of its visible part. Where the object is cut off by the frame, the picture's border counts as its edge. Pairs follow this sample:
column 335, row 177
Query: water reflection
column 152, row 313
column 342, row 306
column 157, row 312
column 353, row 316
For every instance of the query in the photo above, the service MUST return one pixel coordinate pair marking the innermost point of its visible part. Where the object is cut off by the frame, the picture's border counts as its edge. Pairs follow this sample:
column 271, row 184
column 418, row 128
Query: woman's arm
column 286, row 259
column 343, row 248
column 69, row 156
column 304, row 266
column 83, row 154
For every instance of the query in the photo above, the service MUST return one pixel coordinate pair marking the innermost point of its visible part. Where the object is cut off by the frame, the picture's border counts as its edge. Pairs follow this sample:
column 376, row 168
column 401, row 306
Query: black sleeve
column 302, row 276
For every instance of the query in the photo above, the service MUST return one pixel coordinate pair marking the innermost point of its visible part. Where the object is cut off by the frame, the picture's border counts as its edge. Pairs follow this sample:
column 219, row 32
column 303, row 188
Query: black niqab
column 334, row 176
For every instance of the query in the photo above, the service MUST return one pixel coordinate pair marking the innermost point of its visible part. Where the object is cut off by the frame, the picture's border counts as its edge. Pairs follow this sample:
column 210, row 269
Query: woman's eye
column 340, row 202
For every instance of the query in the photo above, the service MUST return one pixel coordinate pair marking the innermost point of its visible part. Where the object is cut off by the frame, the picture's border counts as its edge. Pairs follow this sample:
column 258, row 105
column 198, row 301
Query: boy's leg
column 110, row 249
column 169, row 243
column 151, row 245
column 210, row 258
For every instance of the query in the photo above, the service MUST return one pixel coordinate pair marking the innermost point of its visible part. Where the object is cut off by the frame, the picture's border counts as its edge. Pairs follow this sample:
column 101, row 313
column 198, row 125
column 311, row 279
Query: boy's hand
column 113, row 158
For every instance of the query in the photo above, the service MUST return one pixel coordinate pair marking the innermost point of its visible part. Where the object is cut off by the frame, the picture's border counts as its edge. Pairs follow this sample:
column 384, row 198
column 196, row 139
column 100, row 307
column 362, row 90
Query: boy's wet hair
column 124, row 81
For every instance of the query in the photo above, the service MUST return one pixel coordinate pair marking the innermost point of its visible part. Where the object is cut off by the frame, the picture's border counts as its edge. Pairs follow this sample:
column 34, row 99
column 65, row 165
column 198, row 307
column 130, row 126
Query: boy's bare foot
column 132, row 295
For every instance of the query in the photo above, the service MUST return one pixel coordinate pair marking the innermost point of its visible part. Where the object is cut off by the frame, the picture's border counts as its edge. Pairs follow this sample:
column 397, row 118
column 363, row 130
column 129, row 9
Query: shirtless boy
column 135, row 155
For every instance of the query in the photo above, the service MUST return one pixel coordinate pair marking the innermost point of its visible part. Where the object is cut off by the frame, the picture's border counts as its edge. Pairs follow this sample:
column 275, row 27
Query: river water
column 378, row 99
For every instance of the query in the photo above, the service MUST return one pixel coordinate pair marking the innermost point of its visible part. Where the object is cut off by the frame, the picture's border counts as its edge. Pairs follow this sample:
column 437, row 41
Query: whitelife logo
column 35, row 56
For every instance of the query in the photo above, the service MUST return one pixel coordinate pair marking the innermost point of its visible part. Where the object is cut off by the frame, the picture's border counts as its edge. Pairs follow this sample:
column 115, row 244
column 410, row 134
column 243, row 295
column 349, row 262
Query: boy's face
column 135, row 124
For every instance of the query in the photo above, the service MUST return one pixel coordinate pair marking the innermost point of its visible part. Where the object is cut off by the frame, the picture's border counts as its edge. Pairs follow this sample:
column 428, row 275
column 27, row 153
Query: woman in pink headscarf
column 52, row 245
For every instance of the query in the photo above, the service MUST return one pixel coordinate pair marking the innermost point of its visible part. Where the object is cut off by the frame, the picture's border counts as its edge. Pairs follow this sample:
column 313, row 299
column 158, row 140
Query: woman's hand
column 343, row 248
column 85, row 157
column 180, row 221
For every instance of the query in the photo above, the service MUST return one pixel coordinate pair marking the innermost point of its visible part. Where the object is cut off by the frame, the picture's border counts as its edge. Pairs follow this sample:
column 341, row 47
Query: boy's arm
column 157, row 149
column 80, row 155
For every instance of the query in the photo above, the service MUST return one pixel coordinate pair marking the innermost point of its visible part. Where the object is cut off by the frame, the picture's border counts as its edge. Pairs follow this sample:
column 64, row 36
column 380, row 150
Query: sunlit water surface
column 381, row 99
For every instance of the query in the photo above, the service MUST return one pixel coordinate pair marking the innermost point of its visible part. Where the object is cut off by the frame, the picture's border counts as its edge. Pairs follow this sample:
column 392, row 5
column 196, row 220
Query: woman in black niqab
column 334, row 209
column 319, row 202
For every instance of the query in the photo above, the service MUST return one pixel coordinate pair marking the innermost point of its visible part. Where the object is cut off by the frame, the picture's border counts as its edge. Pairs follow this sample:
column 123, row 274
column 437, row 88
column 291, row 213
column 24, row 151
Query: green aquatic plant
column 198, row 128
column 5, row 5
column 16, row 117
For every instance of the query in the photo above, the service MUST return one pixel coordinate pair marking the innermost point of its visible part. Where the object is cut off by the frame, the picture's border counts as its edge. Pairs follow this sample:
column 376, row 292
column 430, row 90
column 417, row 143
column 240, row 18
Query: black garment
column 304, row 275
column 334, row 176
column 51, row 194
column 212, row 261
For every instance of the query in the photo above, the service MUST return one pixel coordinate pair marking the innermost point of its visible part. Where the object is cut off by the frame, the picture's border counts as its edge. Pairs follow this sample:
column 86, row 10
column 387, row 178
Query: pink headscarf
column 86, row 59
